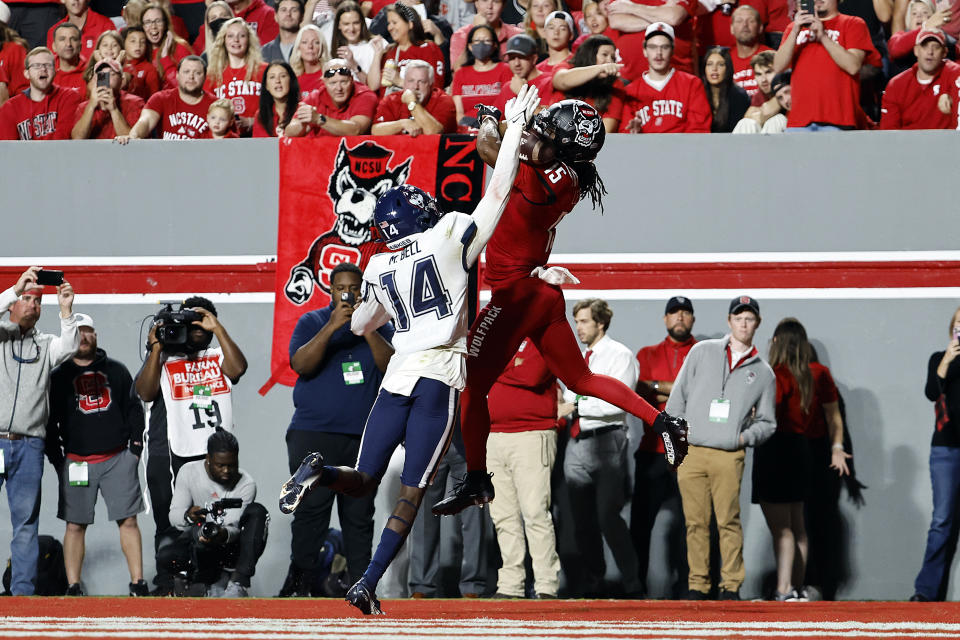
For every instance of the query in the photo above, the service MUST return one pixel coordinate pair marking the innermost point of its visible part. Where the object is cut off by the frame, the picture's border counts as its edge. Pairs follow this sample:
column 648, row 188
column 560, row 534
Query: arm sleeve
column 890, row 115
column 901, row 44
column 934, row 386
column 7, row 298
column 53, row 444
column 181, row 501
column 65, row 345
column 133, row 415
column 765, row 421
column 370, row 315
column 701, row 116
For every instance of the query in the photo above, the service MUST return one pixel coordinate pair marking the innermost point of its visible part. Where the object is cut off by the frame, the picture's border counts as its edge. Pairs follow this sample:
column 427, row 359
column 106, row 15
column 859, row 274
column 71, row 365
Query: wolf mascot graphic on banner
column 360, row 176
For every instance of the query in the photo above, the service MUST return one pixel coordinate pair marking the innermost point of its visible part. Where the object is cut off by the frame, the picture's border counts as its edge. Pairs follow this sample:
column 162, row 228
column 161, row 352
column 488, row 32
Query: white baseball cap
column 659, row 28
column 4, row 13
column 83, row 320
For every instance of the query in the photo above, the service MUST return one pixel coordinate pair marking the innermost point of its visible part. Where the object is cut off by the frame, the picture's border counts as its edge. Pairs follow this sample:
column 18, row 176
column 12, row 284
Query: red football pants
column 529, row 308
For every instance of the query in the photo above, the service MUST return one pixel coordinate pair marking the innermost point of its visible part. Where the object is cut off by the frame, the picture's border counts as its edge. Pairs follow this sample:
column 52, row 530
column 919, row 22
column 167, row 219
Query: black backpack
column 51, row 574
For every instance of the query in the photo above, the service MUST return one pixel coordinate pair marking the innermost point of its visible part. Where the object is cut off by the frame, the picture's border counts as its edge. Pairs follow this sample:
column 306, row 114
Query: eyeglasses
column 37, row 66
column 23, row 360
column 341, row 71
column 153, row 23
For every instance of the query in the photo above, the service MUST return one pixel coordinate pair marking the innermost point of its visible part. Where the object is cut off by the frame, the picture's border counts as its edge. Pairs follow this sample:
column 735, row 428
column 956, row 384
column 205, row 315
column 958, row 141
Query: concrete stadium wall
column 831, row 192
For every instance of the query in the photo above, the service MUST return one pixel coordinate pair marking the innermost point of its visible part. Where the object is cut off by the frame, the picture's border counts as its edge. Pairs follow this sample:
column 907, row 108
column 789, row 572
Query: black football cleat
column 301, row 483
column 364, row 599
column 475, row 488
column 673, row 432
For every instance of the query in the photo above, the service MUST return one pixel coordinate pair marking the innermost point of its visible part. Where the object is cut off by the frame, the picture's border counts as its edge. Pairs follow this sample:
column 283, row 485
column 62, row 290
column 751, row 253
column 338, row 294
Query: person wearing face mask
column 189, row 391
column 219, row 558
column 482, row 77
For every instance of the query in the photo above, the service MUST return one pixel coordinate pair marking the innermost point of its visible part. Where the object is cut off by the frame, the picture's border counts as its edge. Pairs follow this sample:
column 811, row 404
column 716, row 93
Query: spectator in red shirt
column 70, row 65
column 770, row 105
column 558, row 32
column 521, row 453
column 631, row 19
column 235, row 70
column 664, row 99
column 655, row 487
column 920, row 15
column 409, row 43
column 595, row 17
column 90, row 24
column 181, row 113
column 107, row 112
column 222, row 118
column 214, row 17
column 482, row 77
column 167, row 47
column 13, row 51
column 259, row 16
column 536, row 19
column 489, row 13
column 308, row 58
column 715, row 22
column 747, row 31
column 522, row 61
column 920, row 97
column 278, row 100
column 341, row 107
column 42, row 112
column 594, row 78
column 728, row 101
column 418, row 109
column 142, row 77
column 826, row 51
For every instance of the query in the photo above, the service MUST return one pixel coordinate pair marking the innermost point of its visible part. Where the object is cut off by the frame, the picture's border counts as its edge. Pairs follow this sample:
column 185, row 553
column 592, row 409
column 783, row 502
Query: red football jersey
column 822, row 91
column 680, row 107
column 144, row 79
column 363, row 102
column 95, row 25
column 743, row 72
column 426, row 51
column 440, row 106
column 244, row 94
column 523, row 240
column 908, row 104
column 630, row 45
column 11, row 67
column 178, row 119
column 479, row 87
column 50, row 119
column 101, row 128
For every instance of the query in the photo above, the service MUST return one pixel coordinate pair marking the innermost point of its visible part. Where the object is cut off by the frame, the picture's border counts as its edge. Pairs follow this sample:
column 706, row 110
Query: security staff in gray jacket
column 727, row 394
column 26, row 359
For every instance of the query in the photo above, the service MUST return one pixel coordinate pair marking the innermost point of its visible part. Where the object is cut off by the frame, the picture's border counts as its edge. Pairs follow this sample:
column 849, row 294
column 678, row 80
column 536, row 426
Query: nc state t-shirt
column 178, row 119
column 476, row 87
column 244, row 94
column 188, row 425
column 742, row 71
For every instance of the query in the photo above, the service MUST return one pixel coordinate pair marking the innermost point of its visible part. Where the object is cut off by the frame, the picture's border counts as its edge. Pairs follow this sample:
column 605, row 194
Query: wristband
column 837, row 445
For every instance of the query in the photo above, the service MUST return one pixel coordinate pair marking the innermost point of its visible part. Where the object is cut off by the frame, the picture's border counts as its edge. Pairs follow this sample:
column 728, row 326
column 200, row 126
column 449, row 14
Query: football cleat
column 364, row 599
column 673, row 432
column 475, row 488
column 301, row 483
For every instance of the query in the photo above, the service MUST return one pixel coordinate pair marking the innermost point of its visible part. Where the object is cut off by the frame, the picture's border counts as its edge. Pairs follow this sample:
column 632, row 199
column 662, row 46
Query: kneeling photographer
column 188, row 384
column 223, row 531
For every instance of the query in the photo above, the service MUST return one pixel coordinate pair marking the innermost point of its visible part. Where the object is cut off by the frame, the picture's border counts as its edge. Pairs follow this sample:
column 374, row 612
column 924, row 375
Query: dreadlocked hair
column 591, row 184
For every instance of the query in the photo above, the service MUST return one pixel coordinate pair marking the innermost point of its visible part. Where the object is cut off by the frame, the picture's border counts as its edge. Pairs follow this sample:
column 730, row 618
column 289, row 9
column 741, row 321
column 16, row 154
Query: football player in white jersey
column 422, row 287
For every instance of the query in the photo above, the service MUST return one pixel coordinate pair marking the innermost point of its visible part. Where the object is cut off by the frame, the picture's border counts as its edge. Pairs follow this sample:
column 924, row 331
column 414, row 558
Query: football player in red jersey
column 557, row 172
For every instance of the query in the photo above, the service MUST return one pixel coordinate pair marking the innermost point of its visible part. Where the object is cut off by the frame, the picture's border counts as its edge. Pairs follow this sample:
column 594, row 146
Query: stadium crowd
column 184, row 70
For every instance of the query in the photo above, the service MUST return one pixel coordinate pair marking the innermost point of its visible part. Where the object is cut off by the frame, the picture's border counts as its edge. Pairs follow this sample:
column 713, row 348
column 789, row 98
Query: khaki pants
column 521, row 464
column 710, row 478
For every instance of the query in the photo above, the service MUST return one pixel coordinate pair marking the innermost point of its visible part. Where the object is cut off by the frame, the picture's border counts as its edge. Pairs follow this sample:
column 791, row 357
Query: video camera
column 173, row 327
column 215, row 512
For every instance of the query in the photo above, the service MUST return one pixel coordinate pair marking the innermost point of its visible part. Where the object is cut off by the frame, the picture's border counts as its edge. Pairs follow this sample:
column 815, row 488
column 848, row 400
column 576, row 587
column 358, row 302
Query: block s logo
column 92, row 392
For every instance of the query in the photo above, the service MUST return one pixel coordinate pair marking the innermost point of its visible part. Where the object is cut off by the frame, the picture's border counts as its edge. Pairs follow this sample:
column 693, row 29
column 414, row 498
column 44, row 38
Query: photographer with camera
column 223, row 531
column 108, row 111
column 188, row 384
column 339, row 378
column 26, row 359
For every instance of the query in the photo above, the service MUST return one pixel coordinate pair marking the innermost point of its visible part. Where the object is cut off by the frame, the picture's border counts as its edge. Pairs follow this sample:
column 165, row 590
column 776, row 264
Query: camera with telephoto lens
column 173, row 327
column 215, row 512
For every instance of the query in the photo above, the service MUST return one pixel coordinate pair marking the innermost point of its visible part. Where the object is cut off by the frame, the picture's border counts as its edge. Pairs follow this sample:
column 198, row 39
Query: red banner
column 328, row 189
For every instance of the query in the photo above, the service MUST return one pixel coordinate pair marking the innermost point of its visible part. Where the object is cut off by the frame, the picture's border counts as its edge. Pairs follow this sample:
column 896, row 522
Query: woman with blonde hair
column 216, row 10
column 782, row 466
column 308, row 57
column 534, row 22
column 167, row 48
column 235, row 70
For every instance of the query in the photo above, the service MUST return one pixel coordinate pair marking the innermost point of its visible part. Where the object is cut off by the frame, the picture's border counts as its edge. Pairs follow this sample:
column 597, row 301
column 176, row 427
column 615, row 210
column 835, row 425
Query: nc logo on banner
column 360, row 176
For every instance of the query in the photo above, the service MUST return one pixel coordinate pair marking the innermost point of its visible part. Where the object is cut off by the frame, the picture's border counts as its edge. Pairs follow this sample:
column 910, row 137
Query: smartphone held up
column 49, row 277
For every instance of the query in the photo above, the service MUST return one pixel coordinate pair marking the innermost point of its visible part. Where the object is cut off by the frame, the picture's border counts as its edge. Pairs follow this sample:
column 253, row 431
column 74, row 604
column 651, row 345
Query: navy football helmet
column 403, row 212
column 573, row 127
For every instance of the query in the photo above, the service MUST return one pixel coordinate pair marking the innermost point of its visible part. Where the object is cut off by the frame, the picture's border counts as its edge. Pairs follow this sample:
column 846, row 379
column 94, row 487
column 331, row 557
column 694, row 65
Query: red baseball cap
column 936, row 34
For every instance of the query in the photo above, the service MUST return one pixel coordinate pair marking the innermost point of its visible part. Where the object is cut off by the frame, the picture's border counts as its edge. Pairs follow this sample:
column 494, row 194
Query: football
column 534, row 151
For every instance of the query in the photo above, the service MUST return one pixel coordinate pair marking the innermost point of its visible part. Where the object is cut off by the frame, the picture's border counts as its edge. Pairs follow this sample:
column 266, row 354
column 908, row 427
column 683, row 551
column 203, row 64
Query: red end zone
column 28, row 618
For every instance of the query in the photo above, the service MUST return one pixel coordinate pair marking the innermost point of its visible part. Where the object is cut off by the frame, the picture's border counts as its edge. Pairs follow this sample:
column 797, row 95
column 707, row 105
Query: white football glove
column 520, row 110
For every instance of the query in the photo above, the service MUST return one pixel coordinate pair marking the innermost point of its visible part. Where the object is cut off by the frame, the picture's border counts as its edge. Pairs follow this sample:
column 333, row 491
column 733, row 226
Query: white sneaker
column 235, row 590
